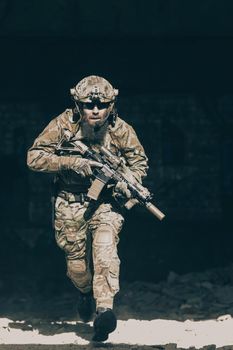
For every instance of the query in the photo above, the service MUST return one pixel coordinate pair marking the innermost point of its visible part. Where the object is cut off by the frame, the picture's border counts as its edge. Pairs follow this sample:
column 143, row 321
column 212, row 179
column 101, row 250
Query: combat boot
column 105, row 322
column 85, row 306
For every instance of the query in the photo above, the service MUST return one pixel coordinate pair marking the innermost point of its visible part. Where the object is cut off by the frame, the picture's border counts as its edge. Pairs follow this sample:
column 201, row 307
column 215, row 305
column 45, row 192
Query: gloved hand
column 123, row 196
column 81, row 166
column 121, row 190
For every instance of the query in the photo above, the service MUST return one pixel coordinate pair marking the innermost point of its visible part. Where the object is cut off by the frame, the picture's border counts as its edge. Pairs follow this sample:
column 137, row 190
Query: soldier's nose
column 95, row 110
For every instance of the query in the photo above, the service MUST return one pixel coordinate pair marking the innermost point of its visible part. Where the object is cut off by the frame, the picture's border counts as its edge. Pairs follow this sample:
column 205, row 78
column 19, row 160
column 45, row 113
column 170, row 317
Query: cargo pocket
column 75, row 246
column 113, row 277
column 60, row 236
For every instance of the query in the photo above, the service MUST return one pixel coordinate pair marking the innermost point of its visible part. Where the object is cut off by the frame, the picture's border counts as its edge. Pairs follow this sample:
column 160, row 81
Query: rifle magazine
column 95, row 189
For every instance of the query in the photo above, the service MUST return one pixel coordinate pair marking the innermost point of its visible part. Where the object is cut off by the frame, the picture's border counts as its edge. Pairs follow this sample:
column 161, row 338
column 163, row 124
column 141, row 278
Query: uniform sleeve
column 134, row 154
column 41, row 156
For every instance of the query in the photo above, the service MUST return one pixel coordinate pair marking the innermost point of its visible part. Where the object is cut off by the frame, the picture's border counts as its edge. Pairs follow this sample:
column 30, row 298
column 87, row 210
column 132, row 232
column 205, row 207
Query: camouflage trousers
column 89, row 237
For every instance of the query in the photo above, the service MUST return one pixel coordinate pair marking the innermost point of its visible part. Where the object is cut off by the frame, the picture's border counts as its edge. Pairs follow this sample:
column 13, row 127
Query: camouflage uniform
column 86, row 229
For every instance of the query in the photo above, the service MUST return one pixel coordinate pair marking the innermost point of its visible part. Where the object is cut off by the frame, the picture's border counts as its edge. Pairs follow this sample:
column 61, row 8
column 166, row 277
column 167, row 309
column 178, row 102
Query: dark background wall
column 172, row 62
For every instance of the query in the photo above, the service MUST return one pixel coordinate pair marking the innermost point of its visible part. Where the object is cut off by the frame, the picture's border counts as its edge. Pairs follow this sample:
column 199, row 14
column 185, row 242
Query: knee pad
column 79, row 274
column 104, row 235
column 104, row 246
column 76, row 267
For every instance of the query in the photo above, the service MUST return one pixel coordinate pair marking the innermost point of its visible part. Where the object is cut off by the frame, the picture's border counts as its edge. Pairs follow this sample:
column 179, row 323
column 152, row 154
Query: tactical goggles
column 99, row 105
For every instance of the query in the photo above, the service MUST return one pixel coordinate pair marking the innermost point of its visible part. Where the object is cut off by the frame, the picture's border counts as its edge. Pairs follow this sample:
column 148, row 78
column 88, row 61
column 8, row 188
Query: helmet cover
column 94, row 88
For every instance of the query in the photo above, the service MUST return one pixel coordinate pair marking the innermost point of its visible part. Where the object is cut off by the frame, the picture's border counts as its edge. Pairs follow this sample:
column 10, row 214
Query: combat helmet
column 93, row 88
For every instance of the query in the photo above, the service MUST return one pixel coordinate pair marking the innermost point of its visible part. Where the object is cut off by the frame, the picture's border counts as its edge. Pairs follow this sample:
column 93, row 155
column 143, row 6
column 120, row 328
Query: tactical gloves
column 122, row 189
column 81, row 166
column 123, row 195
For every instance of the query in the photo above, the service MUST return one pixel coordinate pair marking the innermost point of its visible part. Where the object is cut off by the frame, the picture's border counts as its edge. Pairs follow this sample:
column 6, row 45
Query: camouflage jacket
column 120, row 140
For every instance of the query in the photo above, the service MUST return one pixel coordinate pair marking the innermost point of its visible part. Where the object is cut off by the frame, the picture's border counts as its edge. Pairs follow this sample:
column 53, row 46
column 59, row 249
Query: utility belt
column 74, row 197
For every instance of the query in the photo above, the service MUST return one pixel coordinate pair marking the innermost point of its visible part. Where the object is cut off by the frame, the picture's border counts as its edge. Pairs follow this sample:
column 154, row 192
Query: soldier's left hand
column 121, row 189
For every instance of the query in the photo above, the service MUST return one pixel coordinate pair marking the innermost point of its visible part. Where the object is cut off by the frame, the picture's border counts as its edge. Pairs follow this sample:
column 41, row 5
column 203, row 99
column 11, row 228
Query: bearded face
column 94, row 122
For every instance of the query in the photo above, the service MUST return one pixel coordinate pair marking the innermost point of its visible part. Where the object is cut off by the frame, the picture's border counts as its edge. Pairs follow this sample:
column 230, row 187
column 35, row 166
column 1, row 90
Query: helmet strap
column 77, row 117
column 113, row 116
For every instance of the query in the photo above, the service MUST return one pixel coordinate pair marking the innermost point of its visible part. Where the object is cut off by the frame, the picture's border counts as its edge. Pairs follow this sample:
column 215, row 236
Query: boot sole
column 104, row 324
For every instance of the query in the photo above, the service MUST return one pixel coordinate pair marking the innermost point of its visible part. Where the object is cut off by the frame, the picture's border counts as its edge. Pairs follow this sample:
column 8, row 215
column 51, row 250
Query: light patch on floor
column 155, row 332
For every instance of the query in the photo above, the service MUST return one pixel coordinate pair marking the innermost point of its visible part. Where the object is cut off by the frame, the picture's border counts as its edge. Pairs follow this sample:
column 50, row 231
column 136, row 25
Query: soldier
column 86, row 231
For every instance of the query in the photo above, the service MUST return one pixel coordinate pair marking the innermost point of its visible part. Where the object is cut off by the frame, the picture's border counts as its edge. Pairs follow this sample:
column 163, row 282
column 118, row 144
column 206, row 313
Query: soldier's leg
column 71, row 235
column 105, row 226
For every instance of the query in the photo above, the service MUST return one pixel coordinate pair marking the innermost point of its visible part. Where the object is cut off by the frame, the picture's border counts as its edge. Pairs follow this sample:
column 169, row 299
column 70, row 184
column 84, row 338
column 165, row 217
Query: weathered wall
column 190, row 174
column 172, row 62
column 187, row 143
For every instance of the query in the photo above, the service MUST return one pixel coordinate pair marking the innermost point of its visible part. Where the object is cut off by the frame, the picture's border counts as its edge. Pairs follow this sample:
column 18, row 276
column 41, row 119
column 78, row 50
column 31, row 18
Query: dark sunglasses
column 99, row 105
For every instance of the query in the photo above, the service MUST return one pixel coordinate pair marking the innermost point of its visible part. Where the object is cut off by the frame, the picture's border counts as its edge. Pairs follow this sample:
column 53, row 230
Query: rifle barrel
column 155, row 211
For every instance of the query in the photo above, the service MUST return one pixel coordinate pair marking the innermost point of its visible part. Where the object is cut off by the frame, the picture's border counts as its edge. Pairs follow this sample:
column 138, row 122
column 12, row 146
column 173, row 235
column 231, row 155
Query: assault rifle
column 114, row 169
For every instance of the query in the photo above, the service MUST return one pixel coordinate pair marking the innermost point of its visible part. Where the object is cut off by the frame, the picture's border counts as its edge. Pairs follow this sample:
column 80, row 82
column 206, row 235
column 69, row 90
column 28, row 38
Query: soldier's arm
column 41, row 156
column 134, row 154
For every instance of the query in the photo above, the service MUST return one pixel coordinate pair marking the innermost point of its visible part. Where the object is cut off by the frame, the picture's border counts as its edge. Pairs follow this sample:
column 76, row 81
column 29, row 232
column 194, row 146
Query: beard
column 94, row 134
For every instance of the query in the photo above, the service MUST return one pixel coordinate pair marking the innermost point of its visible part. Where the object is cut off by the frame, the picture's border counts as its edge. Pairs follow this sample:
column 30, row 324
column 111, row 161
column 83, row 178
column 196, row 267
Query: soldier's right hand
column 82, row 166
